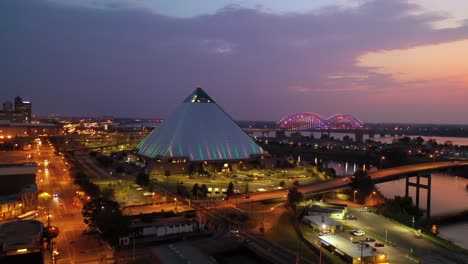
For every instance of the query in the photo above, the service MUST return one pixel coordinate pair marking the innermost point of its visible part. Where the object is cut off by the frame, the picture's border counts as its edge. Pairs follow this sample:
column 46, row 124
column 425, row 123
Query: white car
column 359, row 233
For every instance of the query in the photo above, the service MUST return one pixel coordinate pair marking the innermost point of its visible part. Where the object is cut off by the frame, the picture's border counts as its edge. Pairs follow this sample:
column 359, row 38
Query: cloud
column 126, row 61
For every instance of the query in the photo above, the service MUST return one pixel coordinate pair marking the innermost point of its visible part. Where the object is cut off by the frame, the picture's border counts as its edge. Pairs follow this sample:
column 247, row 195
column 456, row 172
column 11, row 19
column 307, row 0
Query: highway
column 388, row 174
column 378, row 177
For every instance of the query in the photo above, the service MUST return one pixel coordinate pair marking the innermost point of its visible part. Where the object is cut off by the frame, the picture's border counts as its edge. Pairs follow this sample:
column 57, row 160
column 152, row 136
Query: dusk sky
column 381, row 61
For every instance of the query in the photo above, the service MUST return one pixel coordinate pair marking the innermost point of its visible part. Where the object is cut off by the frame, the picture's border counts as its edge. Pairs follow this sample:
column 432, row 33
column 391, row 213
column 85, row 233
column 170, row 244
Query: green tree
column 108, row 193
column 167, row 173
column 363, row 183
column 230, row 189
column 195, row 190
column 330, row 172
column 282, row 184
column 142, row 179
column 419, row 141
column 104, row 216
column 203, row 190
column 294, row 197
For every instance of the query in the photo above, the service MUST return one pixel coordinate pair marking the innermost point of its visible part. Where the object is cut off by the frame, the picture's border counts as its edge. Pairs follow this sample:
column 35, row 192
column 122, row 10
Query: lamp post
column 381, row 161
column 412, row 222
column 372, row 198
column 354, row 196
column 175, row 200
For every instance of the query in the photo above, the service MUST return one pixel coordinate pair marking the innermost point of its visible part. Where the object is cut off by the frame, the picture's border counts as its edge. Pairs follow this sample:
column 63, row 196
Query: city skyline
column 380, row 61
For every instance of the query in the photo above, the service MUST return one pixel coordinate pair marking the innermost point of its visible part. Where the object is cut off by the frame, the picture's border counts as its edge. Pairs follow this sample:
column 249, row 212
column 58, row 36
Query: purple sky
column 370, row 60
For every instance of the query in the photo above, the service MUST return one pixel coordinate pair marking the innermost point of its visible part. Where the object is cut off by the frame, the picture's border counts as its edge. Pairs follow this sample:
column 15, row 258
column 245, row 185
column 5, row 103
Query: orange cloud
column 435, row 63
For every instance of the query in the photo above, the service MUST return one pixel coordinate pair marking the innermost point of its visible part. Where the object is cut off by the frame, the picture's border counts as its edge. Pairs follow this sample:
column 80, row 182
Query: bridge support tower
column 419, row 185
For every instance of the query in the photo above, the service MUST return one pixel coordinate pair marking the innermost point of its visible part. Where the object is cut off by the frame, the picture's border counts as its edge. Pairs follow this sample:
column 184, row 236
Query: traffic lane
column 403, row 237
column 415, row 168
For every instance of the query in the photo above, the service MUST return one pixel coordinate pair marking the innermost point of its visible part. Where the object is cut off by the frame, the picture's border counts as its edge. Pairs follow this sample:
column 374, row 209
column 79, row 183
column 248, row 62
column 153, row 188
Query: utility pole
column 386, row 236
column 362, row 247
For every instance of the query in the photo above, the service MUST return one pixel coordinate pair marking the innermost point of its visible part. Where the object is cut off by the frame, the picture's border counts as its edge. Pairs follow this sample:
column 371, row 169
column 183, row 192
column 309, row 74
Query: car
column 378, row 244
column 55, row 195
column 350, row 217
column 246, row 196
column 359, row 233
column 234, row 232
column 345, row 179
column 369, row 239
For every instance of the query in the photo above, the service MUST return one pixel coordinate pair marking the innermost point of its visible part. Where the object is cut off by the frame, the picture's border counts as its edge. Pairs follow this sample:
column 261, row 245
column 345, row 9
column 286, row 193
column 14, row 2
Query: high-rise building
column 7, row 106
column 21, row 113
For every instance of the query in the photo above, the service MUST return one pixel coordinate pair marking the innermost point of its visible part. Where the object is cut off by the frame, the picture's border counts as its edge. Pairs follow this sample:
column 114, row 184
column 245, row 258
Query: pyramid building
column 199, row 131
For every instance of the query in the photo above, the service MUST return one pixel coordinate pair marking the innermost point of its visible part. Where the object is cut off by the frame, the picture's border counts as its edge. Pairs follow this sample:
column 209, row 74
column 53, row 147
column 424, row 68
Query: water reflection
column 448, row 193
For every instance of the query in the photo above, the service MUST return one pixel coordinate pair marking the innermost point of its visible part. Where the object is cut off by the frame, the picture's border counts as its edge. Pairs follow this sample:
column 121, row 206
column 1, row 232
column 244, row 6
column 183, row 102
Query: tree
column 108, row 193
column 142, row 179
column 203, row 190
column 282, row 184
column 294, row 197
column 419, row 141
column 167, row 173
column 182, row 190
column 363, row 183
column 195, row 190
column 104, row 216
column 230, row 189
column 330, row 172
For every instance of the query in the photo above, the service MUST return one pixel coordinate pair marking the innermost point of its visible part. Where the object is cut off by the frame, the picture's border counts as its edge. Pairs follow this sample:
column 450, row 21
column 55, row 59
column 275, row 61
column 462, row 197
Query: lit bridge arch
column 311, row 121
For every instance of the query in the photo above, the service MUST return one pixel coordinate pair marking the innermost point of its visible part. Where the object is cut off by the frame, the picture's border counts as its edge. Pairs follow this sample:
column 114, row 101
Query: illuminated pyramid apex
column 199, row 96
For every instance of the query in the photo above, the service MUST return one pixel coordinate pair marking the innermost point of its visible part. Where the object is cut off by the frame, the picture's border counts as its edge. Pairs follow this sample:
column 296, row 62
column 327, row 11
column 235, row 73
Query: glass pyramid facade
column 201, row 131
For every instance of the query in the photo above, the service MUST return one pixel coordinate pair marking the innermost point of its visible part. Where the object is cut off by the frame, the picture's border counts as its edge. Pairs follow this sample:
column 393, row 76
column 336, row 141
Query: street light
column 372, row 198
column 355, row 191
column 381, row 161
column 175, row 200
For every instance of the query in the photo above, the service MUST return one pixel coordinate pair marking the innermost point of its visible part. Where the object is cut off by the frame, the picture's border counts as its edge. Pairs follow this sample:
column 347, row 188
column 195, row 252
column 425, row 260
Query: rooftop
column 321, row 219
column 344, row 245
column 17, row 235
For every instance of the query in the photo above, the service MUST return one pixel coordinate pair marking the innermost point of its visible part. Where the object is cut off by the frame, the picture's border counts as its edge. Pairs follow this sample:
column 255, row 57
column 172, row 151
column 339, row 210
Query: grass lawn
column 284, row 234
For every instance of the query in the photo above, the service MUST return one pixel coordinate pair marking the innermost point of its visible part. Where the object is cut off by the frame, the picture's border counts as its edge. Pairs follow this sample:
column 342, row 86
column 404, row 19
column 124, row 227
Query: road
column 65, row 210
column 404, row 238
column 378, row 176
column 381, row 175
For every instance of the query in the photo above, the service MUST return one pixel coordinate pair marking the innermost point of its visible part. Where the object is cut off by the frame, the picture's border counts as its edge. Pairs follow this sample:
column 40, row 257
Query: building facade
column 18, row 191
column 20, row 113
